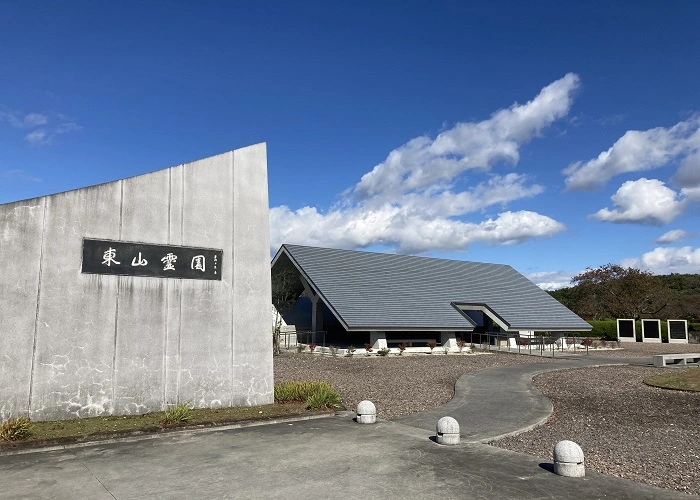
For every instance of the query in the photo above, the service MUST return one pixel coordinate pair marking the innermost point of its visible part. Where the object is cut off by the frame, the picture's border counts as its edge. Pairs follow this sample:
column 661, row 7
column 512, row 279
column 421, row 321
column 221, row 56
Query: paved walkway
column 502, row 401
column 324, row 458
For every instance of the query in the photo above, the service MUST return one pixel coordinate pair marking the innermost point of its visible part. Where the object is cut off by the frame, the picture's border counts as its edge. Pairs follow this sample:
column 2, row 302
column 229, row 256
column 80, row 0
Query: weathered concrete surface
column 74, row 344
column 327, row 458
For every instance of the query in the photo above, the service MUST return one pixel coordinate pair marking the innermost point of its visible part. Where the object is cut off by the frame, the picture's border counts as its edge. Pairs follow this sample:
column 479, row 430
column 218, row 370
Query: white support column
column 378, row 340
column 449, row 340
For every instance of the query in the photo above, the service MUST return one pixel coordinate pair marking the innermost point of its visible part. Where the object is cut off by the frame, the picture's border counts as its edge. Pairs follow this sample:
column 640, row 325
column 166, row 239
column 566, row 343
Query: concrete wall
column 78, row 345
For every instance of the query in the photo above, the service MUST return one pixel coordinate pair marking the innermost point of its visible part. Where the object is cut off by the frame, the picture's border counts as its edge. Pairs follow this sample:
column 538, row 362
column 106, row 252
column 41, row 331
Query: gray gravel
column 397, row 385
column 625, row 428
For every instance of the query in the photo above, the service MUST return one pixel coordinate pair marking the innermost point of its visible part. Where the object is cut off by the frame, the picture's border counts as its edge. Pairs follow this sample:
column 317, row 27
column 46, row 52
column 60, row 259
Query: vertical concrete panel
column 21, row 227
column 77, row 345
column 252, row 336
column 205, row 323
column 77, row 312
column 174, row 291
column 142, row 311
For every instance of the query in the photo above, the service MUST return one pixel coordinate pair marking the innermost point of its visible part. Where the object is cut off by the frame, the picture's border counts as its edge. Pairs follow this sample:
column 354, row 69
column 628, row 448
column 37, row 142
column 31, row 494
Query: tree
column 285, row 291
column 614, row 291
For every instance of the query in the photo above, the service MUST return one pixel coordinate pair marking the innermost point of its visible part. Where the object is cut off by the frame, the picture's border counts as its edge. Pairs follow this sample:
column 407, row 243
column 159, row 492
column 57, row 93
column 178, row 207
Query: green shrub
column 606, row 329
column 16, row 429
column 314, row 393
column 383, row 352
column 324, row 397
column 179, row 414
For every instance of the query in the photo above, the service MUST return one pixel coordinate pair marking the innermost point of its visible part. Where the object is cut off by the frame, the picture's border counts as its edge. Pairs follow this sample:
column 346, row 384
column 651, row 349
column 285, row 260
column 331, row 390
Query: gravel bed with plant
column 624, row 427
column 397, row 385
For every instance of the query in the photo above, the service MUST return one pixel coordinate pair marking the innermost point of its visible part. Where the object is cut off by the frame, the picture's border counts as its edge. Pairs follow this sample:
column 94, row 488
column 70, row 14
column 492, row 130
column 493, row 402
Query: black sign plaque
column 125, row 258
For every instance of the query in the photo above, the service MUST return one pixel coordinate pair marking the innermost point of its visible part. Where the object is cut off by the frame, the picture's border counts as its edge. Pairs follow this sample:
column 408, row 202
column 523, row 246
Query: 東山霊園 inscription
column 158, row 261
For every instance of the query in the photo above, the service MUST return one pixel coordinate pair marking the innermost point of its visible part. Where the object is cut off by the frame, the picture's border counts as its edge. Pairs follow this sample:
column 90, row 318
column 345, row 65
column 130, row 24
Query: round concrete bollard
column 568, row 459
column 366, row 412
column 447, row 431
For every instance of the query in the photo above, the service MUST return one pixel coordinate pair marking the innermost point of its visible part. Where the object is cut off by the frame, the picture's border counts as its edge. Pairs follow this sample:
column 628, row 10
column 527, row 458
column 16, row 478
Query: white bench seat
column 676, row 359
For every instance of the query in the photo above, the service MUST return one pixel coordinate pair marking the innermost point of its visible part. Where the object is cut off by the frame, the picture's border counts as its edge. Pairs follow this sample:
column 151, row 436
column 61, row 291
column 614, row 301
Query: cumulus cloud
column 638, row 151
column 424, row 162
column 673, row 236
column 683, row 260
column 406, row 230
column 44, row 128
column 551, row 280
column 411, row 201
column 644, row 201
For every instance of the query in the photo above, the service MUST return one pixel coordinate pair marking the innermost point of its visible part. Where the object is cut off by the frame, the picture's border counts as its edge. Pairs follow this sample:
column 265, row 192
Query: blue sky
column 551, row 136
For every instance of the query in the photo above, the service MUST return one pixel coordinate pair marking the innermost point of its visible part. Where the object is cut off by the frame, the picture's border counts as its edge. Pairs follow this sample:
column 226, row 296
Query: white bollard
column 447, row 431
column 568, row 459
column 366, row 412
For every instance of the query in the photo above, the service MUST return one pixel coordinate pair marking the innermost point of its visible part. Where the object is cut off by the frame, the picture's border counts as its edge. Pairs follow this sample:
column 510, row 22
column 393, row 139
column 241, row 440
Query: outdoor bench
column 676, row 359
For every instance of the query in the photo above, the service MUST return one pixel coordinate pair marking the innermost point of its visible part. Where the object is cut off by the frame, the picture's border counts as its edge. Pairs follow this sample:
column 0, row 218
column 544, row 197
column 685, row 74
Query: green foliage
column 603, row 329
column 383, row 352
column 179, row 414
column 612, row 291
column 16, row 429
column 285, row 292
column 316, row 394
column 324, row 397
column 350, row 351
column 472, row 348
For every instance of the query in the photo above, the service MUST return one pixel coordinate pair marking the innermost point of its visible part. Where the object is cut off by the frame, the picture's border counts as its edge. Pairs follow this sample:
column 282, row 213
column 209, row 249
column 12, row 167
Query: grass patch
column 85, row 429
column 316, row 395
column 680, row 380
column 16, row 429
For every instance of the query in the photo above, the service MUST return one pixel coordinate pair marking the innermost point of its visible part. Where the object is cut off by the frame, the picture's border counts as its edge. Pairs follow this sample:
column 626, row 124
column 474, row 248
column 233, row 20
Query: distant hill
column 681, row 299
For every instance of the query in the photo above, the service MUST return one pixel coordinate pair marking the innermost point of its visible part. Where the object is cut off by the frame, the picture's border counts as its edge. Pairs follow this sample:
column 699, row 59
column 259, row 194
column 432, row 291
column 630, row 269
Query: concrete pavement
column 332, row 457
column 502, row 401
column 327, row 458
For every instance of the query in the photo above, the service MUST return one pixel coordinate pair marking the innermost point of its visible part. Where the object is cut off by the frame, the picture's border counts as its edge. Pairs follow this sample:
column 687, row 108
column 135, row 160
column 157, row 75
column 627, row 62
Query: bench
column 676, row 359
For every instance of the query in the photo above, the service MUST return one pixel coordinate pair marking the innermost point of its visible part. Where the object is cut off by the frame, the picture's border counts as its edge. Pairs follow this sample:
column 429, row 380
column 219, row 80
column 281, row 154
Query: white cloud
column 423, row 162
column 638, row 151
column 409, row 231
column 24, row 121
column 18, row 174
column 411, row 202
column 45, row 128
column 684, row 260
column 644, row 201
column 672, row 236
column 551, row 280
column 39, row 136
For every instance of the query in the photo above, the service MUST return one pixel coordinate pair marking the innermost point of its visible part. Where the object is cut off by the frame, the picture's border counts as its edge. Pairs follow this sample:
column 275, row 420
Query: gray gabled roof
column 376, row 291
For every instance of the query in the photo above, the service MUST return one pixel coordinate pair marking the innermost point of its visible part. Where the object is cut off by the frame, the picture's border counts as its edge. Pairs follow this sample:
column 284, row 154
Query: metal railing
column 543, row 345
column 292, row 339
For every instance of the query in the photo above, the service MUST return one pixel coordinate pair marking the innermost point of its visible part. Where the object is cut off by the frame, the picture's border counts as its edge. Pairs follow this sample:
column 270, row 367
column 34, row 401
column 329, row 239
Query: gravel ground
column 398, row 385
column 641, row 349
column 625, row 428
